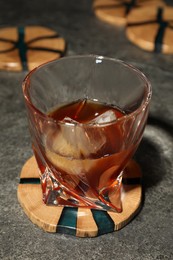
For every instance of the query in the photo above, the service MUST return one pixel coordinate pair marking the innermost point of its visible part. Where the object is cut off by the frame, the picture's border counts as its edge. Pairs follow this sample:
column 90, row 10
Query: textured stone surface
column 149, row 235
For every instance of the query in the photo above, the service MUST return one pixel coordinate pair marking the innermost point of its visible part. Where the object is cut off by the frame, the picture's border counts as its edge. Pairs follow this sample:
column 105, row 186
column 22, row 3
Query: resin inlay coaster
column 116, row 11
column 151, row 29
column 24, row 48
column 81, row 222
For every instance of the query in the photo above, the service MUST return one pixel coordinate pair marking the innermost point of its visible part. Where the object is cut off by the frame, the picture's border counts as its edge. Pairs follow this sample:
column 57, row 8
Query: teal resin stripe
column 160, row 35
column 29, row 181
column 68, row 221
column 22, row 47
column 103, row 221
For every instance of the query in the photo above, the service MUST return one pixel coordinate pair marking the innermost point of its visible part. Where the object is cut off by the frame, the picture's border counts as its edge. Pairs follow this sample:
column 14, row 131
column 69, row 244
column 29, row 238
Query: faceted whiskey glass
column 86, row 118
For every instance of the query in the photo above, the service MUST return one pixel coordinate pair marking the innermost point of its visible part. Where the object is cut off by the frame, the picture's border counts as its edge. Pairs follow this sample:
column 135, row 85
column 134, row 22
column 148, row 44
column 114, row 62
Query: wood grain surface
column 151, row 29
column 116, row 11
column 24, row 48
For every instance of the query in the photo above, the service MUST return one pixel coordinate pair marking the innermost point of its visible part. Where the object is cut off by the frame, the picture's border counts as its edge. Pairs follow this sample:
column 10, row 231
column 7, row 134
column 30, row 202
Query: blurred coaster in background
column 24, row 48
column 116, row 11
column 151, row 29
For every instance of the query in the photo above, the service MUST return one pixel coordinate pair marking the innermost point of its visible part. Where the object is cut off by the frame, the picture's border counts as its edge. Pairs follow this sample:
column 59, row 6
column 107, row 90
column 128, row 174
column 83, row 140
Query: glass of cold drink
column 86, row 118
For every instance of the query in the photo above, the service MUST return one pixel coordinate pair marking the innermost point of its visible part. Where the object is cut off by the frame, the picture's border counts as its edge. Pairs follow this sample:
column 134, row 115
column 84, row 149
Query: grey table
column 150, row 234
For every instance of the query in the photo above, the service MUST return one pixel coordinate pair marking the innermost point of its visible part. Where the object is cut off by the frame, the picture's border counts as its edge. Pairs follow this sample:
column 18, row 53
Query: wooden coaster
column 81, row 222
column 116, row 11
column 24, row 48
column 151, row 29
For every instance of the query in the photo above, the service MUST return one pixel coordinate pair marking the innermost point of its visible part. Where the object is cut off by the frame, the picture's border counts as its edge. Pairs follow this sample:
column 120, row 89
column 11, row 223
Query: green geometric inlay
column 68, row 221
column 104, row 222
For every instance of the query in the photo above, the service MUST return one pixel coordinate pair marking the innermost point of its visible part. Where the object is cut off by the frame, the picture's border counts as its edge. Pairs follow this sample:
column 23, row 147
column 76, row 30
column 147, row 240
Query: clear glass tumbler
column 86, row 118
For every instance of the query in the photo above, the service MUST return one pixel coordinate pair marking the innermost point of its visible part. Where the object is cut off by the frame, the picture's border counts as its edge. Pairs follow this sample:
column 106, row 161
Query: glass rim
column 143, row 105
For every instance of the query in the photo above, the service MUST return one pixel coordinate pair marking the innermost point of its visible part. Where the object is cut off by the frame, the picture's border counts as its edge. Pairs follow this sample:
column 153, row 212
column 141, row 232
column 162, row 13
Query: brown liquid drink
column 87, row 154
